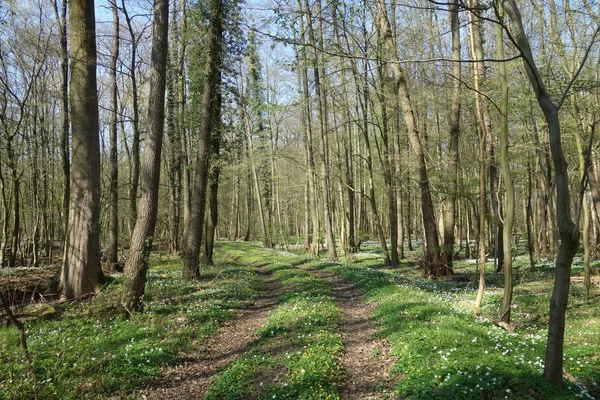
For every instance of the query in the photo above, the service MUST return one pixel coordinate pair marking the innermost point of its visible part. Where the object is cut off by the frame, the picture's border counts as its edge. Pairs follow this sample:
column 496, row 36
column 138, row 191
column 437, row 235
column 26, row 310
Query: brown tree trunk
column 211, row 223
column 113, row 231
column 483, row 120
column 15, row 202
column 320, row 87
column 433, row 263
column 136, row 266
column 509, row 214
column 568, row 230
column 172, row 133
column 192, row 244
column 312, row 236
column 81, row 270
column 135, row 143
column 454, row 121
column 64, row 85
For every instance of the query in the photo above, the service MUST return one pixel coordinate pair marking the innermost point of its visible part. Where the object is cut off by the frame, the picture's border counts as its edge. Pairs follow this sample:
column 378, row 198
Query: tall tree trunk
column 509, row 212
column 257, row 181
column 454, row 122
column 16, row 202
column 186, row 185
column 385, row 156
column 173, row 132
column 433, row 263
column 81, row 270
column 61, row 17
column 529, row 218
column 312, row 237
column 583, row 165
column 255, row 128
column 191, row 267
column 246, row 237
column 320, row 85
column 136, row 266
column 5, row 218
column 113, row 232
column 135, row 143
column 568, row 230
column 211, row 223
column 483, row 119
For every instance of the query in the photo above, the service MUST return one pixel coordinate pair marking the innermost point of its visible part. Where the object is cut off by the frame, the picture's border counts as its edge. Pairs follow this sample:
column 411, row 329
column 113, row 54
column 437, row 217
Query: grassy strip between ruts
column 298, row 347
column 90, row 350
column 445, row 352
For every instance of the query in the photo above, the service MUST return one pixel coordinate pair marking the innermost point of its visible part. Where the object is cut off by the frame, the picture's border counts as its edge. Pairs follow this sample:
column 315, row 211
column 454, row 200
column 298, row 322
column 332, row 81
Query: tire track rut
column 366, row 359
column 191, row 379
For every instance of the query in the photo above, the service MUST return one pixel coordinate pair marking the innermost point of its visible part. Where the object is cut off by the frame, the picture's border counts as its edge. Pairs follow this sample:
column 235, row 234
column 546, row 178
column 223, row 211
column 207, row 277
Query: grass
column 296, row 354
column 92, row 350
column 443, row 351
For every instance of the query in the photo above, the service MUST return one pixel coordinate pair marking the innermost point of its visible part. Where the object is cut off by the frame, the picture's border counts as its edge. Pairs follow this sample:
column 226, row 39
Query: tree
column 484, row 127
column 568, row 229
column 64, row 84
column 193, row 240
column 134, row 174
column 113, row 233
column 454, row 121
column 509, row 189
column 142, row 237
column 254, row 119
column 175, row 126
column 81, row 270
column 433, row 265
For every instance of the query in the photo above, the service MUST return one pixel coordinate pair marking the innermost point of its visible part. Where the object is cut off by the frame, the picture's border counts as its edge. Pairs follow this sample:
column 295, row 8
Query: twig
column 20, row 326
column 506, row 326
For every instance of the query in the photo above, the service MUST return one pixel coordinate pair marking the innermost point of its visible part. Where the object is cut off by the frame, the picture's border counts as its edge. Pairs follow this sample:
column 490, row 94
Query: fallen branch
column 504, row 325
column 20, row 326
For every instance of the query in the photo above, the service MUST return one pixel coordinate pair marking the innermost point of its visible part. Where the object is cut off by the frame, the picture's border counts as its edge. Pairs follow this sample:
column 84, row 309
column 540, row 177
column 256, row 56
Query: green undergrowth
column 295, row 355
column 445, row 352
column 93, row 349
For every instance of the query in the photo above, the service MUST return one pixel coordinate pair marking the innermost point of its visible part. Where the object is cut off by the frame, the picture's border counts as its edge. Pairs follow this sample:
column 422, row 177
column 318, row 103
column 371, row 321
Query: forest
column 311, row 199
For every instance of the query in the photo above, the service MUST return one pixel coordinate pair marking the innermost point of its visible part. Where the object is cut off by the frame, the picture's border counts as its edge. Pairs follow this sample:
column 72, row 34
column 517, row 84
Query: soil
column 366, row 359
column 191, row 378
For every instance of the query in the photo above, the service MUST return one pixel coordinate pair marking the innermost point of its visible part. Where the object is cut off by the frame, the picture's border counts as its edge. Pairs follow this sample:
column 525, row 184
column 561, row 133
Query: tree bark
column 173, row 132
column 192, row 244
column 319, row 80
column 113, row 232
column 211, row 223
column 434, row 267
column 81, row 270
column 483, row 120
column 509, row 212
column 568, row 230
column 64, row 86
column 453, row 157
column 136, row 266
column 312, row 236
column 135, row 143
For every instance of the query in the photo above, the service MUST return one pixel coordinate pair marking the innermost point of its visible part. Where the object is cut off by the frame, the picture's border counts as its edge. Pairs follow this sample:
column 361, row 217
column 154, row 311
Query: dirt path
column 191, row 379
column 366, row 359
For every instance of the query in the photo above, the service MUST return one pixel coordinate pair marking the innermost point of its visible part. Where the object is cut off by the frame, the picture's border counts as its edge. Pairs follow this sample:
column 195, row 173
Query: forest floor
column 266, row 324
